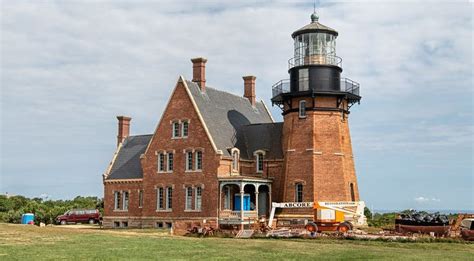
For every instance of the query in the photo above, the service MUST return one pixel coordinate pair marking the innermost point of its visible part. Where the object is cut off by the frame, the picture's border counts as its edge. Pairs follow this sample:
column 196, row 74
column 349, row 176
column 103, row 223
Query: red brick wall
column 180, row 108
column 109, row 198
column 318, row 153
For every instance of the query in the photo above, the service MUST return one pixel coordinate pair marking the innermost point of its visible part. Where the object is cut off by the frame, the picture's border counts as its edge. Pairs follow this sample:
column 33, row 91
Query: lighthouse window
column 303, row 80
column 299, row 192
column 302, row 109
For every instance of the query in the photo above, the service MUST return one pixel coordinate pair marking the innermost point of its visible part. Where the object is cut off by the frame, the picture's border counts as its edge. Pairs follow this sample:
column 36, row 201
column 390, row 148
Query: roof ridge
column 140, row 135
column 217, row 90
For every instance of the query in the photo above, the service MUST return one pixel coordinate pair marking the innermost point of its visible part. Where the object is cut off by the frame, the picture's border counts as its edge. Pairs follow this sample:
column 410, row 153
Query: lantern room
column 315, row 69
column 315, row 44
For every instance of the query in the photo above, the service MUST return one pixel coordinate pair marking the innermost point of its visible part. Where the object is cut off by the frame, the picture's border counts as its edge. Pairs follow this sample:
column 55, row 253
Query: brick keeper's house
column 218, row 159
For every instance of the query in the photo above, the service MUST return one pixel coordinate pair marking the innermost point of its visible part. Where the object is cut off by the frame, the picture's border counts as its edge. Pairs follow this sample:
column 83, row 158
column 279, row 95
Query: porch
column 244, row 200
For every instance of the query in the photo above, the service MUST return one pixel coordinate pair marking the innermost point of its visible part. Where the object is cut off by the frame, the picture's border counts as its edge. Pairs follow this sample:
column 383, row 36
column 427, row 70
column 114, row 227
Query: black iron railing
column 346, row 85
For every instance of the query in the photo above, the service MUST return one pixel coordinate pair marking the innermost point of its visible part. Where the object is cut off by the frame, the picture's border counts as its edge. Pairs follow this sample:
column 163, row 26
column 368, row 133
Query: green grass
column 20, row 242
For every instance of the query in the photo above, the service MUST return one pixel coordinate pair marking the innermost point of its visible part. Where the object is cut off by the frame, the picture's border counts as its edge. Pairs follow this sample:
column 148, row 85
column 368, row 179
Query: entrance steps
column 245, row 233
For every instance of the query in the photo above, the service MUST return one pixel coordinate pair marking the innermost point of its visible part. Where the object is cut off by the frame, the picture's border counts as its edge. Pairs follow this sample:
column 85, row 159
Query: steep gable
column 225, row 114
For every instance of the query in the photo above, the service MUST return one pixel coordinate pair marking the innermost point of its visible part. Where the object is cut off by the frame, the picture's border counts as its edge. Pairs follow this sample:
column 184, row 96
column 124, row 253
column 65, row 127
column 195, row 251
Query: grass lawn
column 21, row 242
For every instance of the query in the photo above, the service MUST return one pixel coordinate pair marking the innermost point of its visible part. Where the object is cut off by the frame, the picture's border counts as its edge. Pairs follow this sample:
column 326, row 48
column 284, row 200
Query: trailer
column 340, row 216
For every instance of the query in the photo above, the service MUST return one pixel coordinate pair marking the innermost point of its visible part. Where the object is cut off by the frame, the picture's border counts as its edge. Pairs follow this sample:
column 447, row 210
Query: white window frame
column 161, row 165
column 175, row 131
column 117, row 196
column 235, row 153
column 259, row 166
column 189, row 161
column 302, row 109
column 170, row 162
column 125, row 200
column 297, row 199
column 197, row 161
column 160, row 198
column 183, row 135
column 198, row 198
column 189, row 199
column 169, row 198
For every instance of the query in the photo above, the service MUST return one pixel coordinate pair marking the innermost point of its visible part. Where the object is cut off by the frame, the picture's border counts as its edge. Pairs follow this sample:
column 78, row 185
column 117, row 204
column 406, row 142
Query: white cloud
column 69, row 67
column 422, row 199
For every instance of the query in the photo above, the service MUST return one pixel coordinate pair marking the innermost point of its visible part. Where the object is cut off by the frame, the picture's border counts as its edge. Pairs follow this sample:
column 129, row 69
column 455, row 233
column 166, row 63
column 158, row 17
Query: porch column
column 242, row 207
column 220, row 197
column 256, row 201
column 270, row 194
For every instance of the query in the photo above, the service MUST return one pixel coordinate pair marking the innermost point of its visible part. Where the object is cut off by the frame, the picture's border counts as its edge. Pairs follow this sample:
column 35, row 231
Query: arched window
column 299, row 192
column 189, row 198
column 352, row 192
column 235, row 160
column 198, row 203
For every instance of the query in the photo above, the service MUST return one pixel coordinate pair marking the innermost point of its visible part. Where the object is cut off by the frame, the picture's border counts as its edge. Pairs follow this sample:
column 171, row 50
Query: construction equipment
column 339, row 216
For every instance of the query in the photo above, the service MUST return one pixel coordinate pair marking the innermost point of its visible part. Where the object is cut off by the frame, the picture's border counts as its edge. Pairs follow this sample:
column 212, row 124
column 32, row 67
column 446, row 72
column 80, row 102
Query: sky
column 68, row 68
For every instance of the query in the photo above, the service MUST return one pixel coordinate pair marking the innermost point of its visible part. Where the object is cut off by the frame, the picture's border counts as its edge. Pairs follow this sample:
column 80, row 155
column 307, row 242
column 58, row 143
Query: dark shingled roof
column 225, row 113
column 264, row 136
column 314, row 27
column 127, row 163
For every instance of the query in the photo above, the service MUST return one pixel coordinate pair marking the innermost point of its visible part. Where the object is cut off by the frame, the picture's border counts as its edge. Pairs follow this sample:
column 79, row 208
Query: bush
column 11, row 208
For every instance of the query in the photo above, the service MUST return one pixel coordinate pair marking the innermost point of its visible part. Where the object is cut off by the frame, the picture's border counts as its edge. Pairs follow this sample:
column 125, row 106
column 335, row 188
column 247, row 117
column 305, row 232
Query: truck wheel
column 63, row 222
column 311, row 227
column 343, row 227
column 91, row 221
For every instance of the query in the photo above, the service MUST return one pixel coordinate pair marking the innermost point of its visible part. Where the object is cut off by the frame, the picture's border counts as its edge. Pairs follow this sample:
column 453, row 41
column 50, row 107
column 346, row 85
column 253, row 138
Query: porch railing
column 235, row 214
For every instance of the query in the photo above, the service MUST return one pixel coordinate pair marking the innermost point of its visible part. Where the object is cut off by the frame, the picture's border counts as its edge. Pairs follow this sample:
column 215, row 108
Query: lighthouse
column 316, row 102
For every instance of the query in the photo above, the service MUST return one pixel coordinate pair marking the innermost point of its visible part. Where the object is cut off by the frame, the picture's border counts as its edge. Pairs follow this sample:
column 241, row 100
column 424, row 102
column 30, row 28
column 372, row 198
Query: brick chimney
column 249, row 88
column 199, row 72
column 123, row 128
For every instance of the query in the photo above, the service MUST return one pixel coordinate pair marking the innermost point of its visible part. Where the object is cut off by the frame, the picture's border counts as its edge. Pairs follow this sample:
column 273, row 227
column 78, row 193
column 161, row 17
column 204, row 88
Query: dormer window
column 235, row 159
column 259, row 160
column 302, row 109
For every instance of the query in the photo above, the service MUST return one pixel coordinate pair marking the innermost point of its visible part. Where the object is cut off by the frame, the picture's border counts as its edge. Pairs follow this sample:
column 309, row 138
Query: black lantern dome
column 315, row 69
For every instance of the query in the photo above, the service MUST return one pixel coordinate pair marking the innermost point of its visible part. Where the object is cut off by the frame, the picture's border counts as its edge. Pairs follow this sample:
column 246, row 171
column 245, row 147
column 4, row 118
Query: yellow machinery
column 328, row 216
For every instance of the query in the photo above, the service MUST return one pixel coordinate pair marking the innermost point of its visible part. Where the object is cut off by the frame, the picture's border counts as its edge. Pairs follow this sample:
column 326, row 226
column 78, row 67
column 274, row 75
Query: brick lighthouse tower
column 318, row 161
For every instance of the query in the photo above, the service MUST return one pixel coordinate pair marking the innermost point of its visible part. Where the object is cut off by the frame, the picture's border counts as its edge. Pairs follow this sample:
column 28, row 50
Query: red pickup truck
column 90, row 216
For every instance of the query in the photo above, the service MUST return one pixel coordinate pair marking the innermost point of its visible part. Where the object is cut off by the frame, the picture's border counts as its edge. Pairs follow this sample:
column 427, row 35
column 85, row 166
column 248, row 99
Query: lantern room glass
column 315, row 48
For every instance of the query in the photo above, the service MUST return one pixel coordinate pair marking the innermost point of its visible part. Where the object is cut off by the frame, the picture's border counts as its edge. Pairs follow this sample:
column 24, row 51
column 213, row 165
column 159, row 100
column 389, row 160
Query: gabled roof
column 127, row 163
column 263, row 136
column 225, row 113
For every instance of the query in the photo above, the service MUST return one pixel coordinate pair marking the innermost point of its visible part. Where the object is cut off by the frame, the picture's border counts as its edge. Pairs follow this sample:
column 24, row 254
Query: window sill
column 164, row 172
column 176, row 138
column 120, row 210
column 302, row 117
column 192, row 210
column 192, row 171
column 164, row 210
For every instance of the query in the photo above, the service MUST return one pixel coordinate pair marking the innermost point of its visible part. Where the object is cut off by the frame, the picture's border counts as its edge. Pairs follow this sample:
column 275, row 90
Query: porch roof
column 245, row 179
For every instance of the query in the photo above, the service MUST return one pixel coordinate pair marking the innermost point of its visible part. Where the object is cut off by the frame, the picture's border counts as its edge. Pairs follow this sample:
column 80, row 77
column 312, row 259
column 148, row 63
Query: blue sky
column 69, row 67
